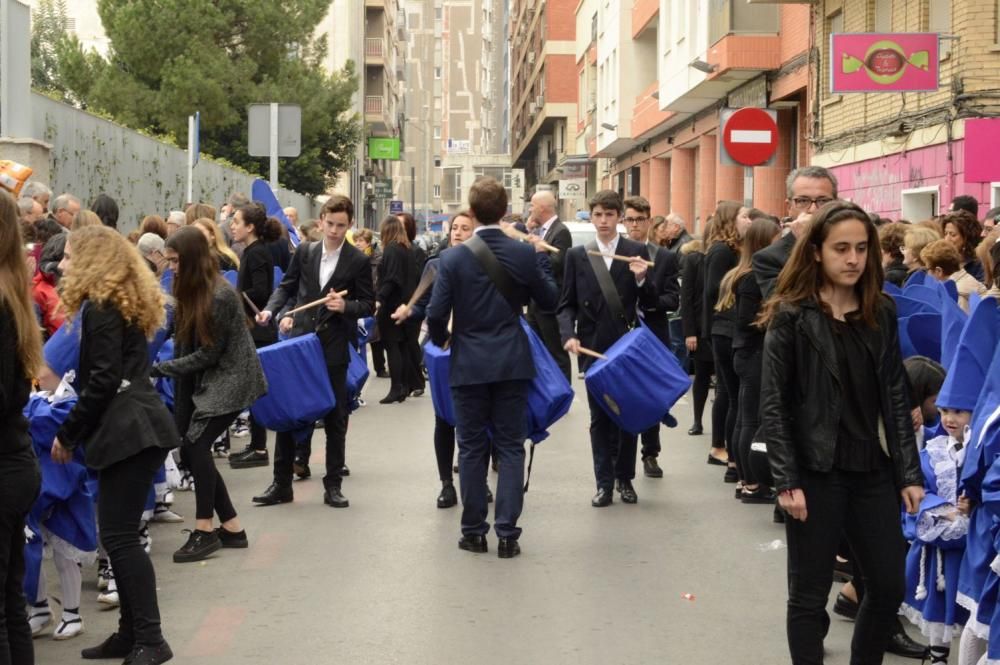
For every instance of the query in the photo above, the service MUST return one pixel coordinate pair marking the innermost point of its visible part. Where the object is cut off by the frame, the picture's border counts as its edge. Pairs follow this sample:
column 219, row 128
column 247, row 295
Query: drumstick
column 521, row 235
column 593, row 354
column 619, row 257
column 425, row 283
column 314, row 303
column 250, row 302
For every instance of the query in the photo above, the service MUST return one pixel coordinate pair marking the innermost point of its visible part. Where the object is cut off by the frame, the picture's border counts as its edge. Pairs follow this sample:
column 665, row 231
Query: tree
column 48, row 30
column 170, row 58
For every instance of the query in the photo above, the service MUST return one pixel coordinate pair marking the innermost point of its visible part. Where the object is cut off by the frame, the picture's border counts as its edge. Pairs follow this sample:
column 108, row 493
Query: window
column 452, row 185
column 635, row 180
column 437, row 161
column 939, row 20
column 920, row 203
column 438, row 13
column 437, row 191
column 883, row 15
column 437, row 72
column 437, row 131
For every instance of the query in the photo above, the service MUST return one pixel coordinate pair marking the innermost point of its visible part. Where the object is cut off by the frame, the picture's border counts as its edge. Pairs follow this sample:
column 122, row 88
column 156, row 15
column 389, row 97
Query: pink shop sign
column 883, row 62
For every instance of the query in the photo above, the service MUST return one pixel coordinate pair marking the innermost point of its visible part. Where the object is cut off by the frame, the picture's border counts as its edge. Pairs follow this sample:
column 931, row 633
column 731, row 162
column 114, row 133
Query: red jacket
column 44, row 293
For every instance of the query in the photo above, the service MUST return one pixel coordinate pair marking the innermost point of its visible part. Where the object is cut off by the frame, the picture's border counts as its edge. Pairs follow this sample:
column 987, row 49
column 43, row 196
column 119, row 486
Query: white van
column 583, row 232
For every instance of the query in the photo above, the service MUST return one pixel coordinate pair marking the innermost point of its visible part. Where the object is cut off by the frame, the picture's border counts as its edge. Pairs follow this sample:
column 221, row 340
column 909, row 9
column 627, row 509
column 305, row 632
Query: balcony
column 374, row 51
column 377, row 114
column 646, row 114
column 644, row 16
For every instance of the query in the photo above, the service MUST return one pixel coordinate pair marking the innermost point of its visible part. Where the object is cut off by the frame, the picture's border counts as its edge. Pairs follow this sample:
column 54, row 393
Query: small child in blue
column 937, row 533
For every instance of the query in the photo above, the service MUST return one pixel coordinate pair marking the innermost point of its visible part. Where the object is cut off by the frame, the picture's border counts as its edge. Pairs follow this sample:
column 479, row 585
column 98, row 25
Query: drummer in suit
column 546, row 225
column 587, row 319
column 328, row 266
column 491, row 362
column 655, row 316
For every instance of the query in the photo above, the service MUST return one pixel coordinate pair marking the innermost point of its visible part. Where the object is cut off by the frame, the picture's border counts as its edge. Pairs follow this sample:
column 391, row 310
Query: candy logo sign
column 878, row 62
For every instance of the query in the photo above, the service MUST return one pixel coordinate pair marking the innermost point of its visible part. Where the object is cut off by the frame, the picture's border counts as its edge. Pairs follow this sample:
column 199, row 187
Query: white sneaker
column 145, row 539
column 162, row 513
column 187, row 482
column 68, row 628
column 109, row 599
column 39, row 618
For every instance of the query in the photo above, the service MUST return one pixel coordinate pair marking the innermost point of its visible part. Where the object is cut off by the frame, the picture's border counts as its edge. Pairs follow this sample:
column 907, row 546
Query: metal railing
column 374, row 104
column 374, row 47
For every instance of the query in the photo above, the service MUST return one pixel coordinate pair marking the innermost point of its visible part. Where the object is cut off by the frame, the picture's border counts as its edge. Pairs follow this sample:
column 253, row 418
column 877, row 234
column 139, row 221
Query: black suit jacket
column 668, row 294
column 768, row 262
column 557, row 236
column 301, row 285
column 583, row 312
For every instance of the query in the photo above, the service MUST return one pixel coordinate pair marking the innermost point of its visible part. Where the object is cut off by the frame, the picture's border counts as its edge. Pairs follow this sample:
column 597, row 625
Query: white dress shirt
column 328, row 263
column 607, row 250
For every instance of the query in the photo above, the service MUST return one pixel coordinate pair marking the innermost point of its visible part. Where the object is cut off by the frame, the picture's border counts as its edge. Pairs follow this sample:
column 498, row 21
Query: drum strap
column 607, row 285
column 496, row 272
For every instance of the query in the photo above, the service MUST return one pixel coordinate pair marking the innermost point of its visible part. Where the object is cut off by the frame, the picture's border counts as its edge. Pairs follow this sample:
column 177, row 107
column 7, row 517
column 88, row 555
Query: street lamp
column 427, row 172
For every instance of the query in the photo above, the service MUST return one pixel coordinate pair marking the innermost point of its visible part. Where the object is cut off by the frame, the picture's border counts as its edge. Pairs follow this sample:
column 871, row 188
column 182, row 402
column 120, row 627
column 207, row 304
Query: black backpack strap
column 496, row 272
column 607, row 285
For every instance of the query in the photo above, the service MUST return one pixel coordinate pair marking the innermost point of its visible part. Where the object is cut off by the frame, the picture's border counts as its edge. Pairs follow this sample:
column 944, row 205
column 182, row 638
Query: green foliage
column 48, row 31
column 170, row 58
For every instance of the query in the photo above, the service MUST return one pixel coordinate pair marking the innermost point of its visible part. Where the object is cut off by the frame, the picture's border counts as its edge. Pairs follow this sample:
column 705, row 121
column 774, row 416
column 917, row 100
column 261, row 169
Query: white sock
column 70, row 579
column 971, row 649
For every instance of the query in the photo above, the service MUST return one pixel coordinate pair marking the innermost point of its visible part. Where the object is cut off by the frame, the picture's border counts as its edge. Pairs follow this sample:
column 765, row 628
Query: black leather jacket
column 802, row 397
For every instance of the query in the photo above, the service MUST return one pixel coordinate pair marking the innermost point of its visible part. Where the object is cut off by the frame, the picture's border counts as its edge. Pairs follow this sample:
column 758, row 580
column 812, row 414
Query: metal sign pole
column 274, row 148
column 748, row 186
column 190, row 161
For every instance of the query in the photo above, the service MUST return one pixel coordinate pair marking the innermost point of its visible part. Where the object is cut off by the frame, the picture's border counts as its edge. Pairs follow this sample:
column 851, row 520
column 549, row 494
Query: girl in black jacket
column 119, row 419
column 396, row 281
column 835, row 417
column 258, row 232
column 696, row 339
column 20, row 360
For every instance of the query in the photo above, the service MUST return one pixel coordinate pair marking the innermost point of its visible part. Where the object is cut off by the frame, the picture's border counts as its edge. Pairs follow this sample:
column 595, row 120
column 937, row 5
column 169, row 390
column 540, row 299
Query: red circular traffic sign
column 750, row 136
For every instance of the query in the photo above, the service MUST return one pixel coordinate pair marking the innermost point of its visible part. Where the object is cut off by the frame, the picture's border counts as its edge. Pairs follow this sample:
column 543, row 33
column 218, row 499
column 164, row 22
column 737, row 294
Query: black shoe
column 508, row 548
column 249, row 458
column 695, row 430
column 344, row 471
column 382, row 374
column 473, row 543
column 731, row 475
column 715, row 461
column 113, row 647
column 146, row 655
column 845, row 607
column 651, row 468
column 627, row 492
column 236, row 540
column 454, row 468
column 901, row 644
column 199, row 546
column 779, row 515
column 417, row 393
column 448, row 497
column 602, row 498
column 300, row 467
column 489, row 494
column 274, row 494
column 392, row 397
column 843, row 571
column 760, row 495
column 333, row 497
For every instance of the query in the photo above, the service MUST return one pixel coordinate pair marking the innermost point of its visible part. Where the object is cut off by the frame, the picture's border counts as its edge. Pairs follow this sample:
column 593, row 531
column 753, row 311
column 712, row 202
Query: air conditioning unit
column 540, row 101
column 532, row 108
column 531, row 58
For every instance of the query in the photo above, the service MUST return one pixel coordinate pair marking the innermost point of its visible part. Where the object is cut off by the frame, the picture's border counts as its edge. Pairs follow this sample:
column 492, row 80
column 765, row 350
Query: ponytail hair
column 273, row 230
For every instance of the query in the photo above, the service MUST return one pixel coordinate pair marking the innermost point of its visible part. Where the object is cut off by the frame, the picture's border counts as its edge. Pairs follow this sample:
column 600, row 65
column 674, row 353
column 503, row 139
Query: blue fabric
column 916, row 277
column 438, row 364
column 167, row 281
column 368, row 325
column 33, row 550
column 230, row 276
column 906, row 306
column 165, row 384
column 892, row 289
column 357, row 376
column 953, row 321
column 278, row 275
column 62, row 349
column 971, row 359
column 299, row 391
column 639, row 381
column 550, row 394
column 924, row 333
column 261, row 192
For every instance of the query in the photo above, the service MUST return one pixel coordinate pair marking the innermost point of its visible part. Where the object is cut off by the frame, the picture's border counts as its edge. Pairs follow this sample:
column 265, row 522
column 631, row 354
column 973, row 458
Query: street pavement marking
column 216, row 632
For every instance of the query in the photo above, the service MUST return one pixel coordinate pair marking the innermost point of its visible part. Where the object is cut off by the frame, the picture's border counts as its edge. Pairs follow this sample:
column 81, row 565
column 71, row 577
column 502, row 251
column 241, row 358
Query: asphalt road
column 688, row 575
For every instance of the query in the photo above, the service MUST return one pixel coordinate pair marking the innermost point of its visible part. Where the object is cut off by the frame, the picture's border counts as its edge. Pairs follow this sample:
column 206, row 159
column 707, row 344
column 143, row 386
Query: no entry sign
column 749, row 136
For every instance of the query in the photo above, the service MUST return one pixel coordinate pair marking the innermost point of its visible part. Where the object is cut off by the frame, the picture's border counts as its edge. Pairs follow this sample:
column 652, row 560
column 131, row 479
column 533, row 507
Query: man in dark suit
column 655, row 314
column 491, row 363
column 327, row 267
column 587, row 319
column 809, row 189
column 554, row 232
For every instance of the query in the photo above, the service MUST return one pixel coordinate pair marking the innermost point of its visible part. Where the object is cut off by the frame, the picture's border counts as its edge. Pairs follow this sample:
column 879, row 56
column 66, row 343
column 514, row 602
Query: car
column 583, row 232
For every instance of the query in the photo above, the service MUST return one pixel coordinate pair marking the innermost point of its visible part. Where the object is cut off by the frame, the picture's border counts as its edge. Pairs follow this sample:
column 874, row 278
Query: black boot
column 448, row 497
column 903, row 645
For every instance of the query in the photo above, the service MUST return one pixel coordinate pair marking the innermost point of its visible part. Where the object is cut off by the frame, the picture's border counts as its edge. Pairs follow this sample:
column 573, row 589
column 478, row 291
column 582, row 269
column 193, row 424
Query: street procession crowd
column 853, row 360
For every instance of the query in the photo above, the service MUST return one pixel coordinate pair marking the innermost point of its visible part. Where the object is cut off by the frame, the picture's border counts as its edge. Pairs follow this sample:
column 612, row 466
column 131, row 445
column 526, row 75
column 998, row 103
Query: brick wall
column 560, row 19
column 560, row 79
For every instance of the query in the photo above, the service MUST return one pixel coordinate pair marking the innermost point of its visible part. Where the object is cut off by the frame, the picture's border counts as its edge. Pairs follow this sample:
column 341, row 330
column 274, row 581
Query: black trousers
column 335, row 424
column 865, row 507
column 20, row 481
column 613, row 450
column 699, row 392
column 651, row 442
column 413, row 356
column 210, row 494
column 747, row 364
column 399, row 374
column 258, row 433
column 378, row 357
column 724, row 411
column 546, row 326
column 444, row 448
column 122, row 492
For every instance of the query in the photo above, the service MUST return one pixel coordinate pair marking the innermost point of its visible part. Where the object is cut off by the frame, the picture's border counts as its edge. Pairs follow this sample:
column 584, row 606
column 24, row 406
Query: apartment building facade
column 907, row 155
column 656, row 74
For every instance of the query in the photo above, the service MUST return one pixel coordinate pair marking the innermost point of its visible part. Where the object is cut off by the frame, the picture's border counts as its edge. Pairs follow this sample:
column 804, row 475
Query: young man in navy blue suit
column 587, row 319
column 491, row 364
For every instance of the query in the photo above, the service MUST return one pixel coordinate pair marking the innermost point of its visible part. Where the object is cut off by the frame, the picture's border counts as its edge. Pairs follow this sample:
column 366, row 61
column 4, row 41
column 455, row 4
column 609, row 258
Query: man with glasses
column 655, row 313
column 809, row 188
